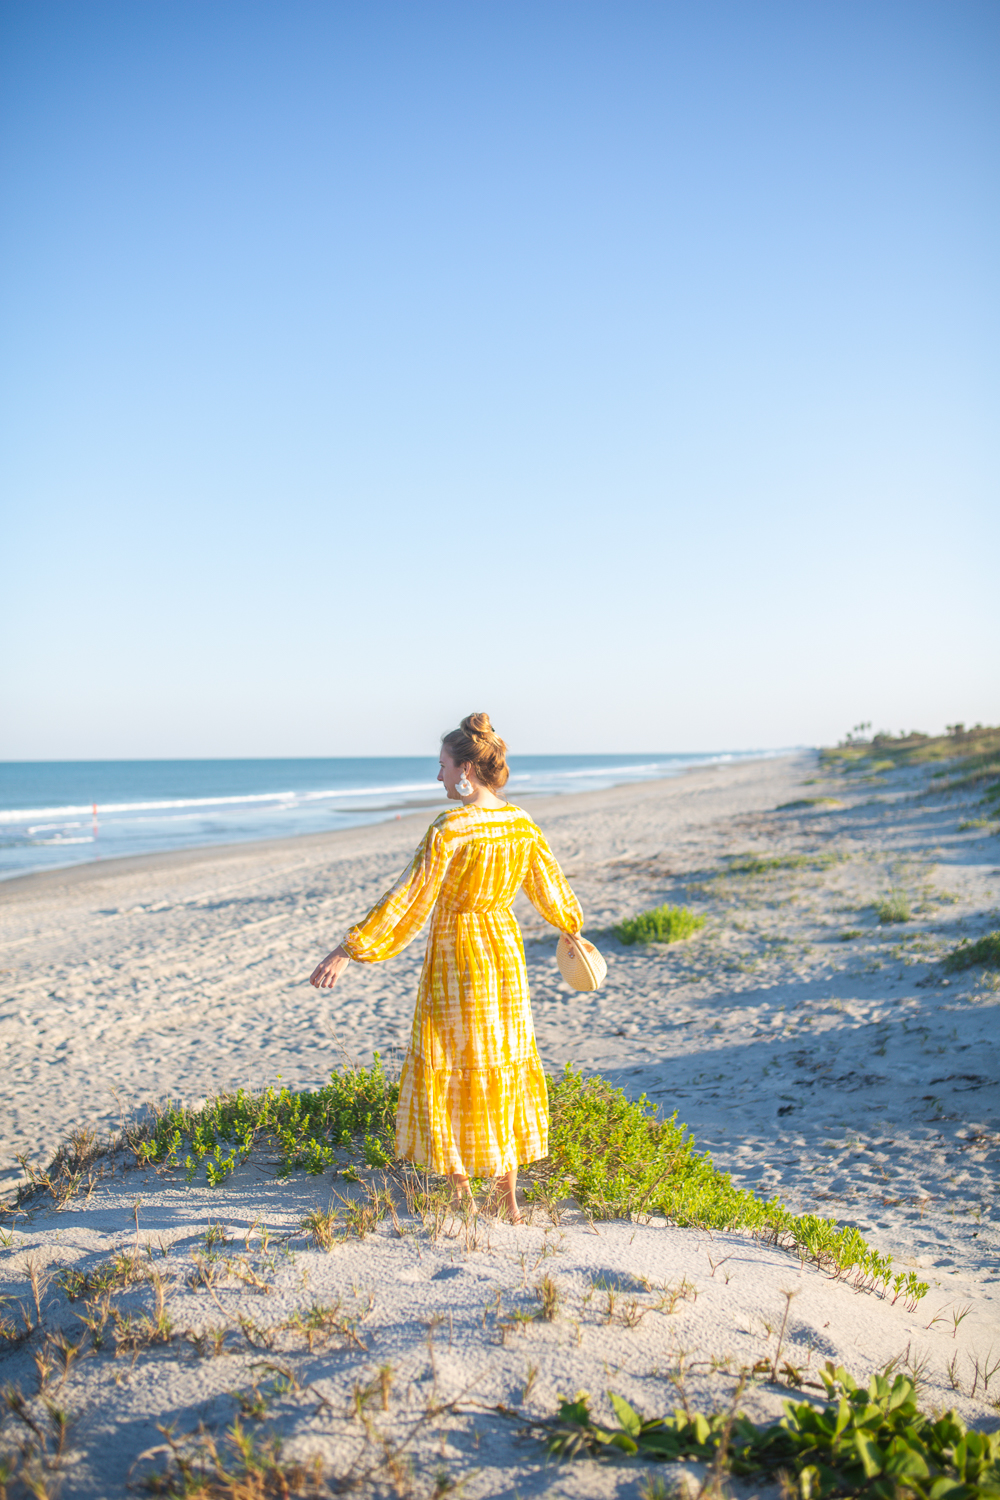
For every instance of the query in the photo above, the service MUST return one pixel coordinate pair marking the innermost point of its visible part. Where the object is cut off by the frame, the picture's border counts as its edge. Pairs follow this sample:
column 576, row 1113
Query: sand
column 844, row 1073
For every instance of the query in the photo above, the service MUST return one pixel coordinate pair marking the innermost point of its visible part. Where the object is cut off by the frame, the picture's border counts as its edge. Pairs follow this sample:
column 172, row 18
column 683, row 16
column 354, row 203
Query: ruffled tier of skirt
column 477, row 1122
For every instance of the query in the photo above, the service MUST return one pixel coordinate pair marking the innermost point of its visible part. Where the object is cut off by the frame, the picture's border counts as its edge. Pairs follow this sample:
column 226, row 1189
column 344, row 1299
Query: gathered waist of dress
column 494, row 909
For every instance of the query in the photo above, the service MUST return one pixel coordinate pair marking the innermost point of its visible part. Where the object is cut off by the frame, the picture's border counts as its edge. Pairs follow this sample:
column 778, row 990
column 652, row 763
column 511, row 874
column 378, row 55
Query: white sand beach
column 845, row 1073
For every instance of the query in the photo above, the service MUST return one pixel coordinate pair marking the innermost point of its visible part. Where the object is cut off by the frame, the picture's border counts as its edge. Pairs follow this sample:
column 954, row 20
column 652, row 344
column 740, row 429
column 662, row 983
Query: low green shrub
column 872, row 1441
column 617, row 1158
column 894, row 908
column 664, row 924
column 810, row 802
column 356, row 1109
column 985, row 951
column 614, row 1155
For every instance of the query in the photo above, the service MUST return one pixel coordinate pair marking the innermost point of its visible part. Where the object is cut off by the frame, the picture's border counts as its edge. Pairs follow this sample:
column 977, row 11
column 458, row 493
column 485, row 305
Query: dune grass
column 761, row 864
column 970, row 757
column 614, row 1156
column 985, row 951
column 894, row 908
column 663, row 924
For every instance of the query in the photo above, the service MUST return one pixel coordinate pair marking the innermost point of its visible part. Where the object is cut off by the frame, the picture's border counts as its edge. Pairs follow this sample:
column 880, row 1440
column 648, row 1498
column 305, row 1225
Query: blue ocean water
column 66, row 812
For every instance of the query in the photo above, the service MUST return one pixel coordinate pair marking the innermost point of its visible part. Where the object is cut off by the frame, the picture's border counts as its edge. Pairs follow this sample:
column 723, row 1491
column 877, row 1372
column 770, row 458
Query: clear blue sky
column 626, row 369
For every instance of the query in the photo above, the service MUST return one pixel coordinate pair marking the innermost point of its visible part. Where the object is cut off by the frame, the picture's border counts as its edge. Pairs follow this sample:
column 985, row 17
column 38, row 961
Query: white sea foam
column 543, row 779
column 26, row 814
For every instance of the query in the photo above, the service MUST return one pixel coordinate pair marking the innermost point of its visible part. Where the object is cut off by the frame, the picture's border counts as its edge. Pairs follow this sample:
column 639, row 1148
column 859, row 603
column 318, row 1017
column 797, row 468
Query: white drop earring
column 464, row 786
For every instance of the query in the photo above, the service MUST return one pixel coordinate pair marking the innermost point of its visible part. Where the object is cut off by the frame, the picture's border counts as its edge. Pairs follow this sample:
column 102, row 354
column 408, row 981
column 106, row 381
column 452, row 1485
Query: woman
column 472, row 1096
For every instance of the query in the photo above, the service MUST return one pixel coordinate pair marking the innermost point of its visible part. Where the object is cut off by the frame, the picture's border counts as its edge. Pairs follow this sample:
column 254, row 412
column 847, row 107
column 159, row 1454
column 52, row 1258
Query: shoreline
column 398, row 812
column 177, row 859
column 165, row 859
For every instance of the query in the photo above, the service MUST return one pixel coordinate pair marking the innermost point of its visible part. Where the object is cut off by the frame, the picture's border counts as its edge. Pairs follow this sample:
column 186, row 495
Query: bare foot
column 503, row 1211
column 462, row 1192
column 508, row 1197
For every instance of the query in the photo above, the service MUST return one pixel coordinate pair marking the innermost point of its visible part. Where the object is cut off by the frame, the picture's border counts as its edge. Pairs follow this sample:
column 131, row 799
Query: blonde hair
column 476, row 740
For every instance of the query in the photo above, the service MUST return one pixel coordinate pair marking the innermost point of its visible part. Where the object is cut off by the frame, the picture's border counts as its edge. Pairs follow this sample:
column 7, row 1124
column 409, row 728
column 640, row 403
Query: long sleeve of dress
column 398, row 917
column 547, row 889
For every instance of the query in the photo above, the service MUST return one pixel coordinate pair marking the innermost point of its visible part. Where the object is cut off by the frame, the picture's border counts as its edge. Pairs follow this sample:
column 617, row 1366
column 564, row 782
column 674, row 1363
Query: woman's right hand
column 326, row 974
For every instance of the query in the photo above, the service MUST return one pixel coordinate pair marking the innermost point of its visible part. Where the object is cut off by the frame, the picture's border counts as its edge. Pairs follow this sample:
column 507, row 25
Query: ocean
column 56, row 813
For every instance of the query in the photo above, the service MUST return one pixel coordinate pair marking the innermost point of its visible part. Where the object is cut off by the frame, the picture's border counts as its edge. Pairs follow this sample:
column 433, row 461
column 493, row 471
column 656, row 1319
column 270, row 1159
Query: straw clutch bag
column 580, row 964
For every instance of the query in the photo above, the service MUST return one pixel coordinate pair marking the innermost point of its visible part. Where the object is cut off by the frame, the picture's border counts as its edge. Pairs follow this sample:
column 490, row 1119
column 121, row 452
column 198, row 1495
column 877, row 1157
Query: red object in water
column 95, row 822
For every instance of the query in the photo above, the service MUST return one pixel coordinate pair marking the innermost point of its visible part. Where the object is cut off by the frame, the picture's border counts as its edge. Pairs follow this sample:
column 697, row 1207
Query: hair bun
column 479, row 726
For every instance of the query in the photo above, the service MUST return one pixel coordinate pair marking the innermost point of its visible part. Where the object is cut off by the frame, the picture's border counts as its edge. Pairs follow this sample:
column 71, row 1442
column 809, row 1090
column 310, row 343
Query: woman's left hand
column 326, row 974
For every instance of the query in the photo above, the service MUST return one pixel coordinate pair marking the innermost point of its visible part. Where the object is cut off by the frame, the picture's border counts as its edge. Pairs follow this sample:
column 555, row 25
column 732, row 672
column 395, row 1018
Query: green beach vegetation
column 617, row 1159
column 611, row 1155
column 760, row 864
column 663, row 924
column 985, row 951
column 894, row 908
column 354, row 1112
column 970, row 757
column 870, row 1440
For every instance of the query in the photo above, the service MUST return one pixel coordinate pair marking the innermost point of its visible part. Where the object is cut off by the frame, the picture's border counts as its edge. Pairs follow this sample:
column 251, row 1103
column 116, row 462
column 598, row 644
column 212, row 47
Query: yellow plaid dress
column 472, row 1095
